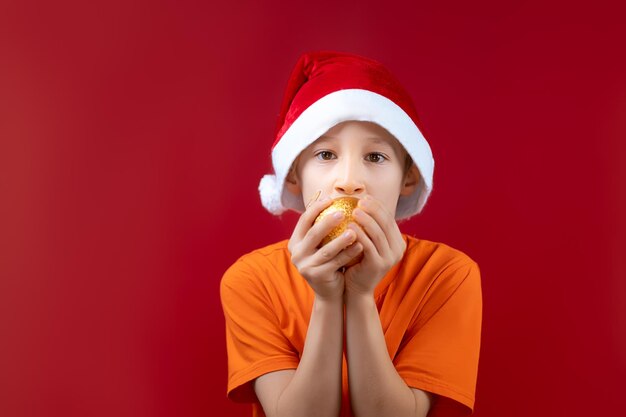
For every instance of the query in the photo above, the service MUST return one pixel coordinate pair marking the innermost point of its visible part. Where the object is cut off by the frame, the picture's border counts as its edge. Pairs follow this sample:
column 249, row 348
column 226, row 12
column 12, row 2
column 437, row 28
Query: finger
column 369, row 249
column 311, row 242
column 373, row 231
column 308, row 217
column 332, row 249
column 348, row 254
column 316, row 234
column 341, row 259
column 385, row 220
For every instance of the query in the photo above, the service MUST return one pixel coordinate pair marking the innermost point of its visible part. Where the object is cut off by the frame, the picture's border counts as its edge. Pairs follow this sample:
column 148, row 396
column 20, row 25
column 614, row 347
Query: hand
column 321, row 266
column 383, row 246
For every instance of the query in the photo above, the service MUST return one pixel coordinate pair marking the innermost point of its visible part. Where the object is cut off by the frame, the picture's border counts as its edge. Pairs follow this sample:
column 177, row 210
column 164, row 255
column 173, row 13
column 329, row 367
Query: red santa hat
column 327, row 88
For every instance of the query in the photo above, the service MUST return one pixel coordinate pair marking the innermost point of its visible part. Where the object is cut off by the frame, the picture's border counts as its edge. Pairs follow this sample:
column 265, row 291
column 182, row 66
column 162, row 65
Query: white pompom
column 271, row 192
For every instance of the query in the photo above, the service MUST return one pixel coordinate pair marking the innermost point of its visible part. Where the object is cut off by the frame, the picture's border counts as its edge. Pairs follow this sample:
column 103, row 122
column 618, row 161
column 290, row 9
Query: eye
column 325, row 155
column 375, row 157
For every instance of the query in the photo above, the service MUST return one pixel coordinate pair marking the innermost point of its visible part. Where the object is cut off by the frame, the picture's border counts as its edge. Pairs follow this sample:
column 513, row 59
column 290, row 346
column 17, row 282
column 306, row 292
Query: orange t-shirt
column 430, row 308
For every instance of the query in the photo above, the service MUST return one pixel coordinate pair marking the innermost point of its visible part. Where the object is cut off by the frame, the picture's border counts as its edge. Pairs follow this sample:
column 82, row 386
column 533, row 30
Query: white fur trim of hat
column 316, row 112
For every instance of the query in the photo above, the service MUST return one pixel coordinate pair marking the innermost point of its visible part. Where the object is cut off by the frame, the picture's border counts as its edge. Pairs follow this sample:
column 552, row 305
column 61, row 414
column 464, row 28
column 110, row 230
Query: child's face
column 354, row 159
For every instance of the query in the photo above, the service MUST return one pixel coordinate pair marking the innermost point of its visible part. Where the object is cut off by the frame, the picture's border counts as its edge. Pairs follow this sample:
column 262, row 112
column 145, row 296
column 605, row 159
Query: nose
column 349, row 180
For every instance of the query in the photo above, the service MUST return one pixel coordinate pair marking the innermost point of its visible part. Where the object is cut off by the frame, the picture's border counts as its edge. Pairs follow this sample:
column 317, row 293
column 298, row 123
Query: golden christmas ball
column 347, row 206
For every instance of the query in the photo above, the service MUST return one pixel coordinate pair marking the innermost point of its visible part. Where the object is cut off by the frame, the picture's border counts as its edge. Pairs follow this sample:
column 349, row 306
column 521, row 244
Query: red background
column 133, row 136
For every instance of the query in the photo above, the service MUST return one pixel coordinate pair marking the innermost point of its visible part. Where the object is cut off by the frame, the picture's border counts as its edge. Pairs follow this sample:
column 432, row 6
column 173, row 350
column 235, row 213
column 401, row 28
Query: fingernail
column 348, row 233
column 338, row 215
column 364, row 203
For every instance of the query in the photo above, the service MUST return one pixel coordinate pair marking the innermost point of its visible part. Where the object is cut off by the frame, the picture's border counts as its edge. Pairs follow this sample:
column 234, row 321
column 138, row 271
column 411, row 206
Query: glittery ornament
column 347, row 206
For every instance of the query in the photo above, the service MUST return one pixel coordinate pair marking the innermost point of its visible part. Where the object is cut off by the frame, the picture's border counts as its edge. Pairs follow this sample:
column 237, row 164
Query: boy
column 398, row 333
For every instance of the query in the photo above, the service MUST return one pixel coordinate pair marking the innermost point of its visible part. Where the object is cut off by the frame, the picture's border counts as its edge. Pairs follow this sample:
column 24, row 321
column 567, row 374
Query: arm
column 314, row 388
column 376, row 388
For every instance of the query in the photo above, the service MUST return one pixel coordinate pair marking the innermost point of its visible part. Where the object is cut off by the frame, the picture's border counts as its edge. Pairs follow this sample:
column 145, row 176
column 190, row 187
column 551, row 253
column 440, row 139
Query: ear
column 411, row 181
column 291, row 182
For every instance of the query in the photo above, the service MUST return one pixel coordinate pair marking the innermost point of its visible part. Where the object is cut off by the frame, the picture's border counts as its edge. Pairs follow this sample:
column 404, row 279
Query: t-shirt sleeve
column 441, row 348
column 254, row 342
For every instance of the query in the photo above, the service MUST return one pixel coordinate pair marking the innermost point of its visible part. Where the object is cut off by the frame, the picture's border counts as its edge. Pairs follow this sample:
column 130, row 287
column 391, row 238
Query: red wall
column 133, row 136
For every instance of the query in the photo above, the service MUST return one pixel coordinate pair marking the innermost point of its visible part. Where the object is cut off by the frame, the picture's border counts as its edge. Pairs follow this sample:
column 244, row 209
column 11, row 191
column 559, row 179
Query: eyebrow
column 324, row 137
column 375, row 140
column 379, row 141
column 393, row 144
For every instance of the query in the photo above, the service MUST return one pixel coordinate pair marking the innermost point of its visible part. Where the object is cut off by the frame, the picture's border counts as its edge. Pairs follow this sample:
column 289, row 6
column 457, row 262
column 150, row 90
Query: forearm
column 315, row 389
column 376, row 389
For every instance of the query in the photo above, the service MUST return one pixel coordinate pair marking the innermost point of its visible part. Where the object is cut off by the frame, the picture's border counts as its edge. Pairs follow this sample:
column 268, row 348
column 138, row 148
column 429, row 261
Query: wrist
column 326, row 302
column 358, row 298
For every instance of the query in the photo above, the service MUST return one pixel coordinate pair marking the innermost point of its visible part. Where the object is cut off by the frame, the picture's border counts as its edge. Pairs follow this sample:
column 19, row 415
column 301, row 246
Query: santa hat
column 327, row 88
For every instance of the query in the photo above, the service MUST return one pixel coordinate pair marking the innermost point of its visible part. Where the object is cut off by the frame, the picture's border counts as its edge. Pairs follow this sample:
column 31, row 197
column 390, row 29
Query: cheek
column 386, row 188
column 387, row 179
column 312, row 181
